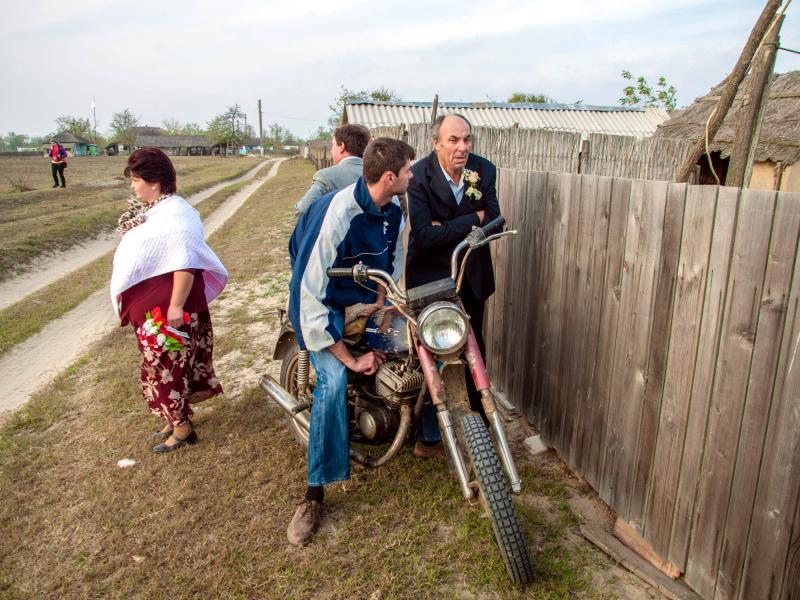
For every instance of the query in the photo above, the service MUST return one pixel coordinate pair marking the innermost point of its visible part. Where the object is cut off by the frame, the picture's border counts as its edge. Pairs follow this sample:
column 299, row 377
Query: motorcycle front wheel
column 288, row 380
column 496, row 500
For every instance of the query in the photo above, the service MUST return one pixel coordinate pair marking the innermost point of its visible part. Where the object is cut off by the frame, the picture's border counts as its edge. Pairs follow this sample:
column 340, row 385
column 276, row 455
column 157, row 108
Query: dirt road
column 34, row 363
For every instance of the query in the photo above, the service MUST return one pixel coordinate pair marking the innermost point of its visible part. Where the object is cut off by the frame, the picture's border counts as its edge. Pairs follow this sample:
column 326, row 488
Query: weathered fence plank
column 658, row 347
column 585, row 329
column 778, row 490
column 698, row 220
column 601, row 386
column 570, row 318
column 749, row 259
column 713, row 306
column 775, row 292
column 537, row 199
column 558, row 217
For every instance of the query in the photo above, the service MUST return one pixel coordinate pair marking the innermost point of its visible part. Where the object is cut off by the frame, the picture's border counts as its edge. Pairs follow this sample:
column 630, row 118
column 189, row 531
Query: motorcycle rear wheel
column 496, row 500
column 288, row 380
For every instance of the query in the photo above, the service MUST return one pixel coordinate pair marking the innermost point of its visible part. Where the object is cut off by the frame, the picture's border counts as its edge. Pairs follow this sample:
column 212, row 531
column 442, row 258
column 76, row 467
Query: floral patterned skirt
column 170, row 379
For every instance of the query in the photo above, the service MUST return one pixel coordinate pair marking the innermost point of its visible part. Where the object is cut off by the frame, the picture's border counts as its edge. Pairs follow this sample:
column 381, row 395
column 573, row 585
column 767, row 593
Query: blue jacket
column 341, row 229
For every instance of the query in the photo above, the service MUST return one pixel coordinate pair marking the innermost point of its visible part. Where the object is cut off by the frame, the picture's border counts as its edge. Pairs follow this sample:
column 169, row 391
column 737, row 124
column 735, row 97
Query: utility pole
column 729, row 91
column 754, row 100
column 260, row 127
column 94, row 118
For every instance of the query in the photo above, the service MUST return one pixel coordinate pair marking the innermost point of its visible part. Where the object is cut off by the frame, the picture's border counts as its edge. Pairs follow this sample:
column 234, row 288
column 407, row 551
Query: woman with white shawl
column 164, row 277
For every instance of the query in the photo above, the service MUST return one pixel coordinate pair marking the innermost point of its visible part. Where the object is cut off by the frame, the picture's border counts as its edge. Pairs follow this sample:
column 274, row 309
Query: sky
column 190, row 60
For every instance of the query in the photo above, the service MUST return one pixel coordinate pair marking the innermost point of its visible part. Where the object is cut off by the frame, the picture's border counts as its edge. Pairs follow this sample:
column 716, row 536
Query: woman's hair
column 152, row 165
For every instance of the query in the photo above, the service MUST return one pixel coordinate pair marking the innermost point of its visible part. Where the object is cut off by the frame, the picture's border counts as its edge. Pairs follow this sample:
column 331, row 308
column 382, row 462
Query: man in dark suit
column 452, row 191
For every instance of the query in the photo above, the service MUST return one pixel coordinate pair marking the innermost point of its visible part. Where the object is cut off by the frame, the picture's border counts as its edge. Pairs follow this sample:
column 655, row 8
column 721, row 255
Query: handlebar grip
column 498, row 223
column 339, row 272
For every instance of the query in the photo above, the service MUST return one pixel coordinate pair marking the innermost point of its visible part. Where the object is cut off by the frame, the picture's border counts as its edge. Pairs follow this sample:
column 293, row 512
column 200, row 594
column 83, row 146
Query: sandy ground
column 55, row 267
column 34, row 363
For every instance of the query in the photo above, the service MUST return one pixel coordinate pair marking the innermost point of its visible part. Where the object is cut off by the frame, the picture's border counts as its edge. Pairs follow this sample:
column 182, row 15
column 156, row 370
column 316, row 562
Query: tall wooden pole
column 435, row 108
column 260, row 126
column 731, row 85
column 754, row 99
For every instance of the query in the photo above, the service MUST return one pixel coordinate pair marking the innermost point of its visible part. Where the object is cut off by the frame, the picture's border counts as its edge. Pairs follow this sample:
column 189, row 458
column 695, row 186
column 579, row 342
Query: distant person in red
column 58, row 162
column 163, row 279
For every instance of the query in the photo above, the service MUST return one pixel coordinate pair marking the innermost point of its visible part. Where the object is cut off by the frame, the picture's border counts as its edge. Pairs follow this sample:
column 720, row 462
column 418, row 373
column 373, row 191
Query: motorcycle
column 424, row 344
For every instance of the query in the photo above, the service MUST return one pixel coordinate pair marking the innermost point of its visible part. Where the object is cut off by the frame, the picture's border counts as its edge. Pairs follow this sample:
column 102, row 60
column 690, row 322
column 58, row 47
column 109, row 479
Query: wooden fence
column 650, row 330
column 548, row 150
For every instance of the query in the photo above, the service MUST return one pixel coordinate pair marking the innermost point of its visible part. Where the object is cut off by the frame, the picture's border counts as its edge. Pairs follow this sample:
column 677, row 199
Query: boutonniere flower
column 471, row 178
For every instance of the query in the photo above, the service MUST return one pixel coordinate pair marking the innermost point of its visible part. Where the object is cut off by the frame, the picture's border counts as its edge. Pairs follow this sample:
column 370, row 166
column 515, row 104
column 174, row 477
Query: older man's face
column 453, row 145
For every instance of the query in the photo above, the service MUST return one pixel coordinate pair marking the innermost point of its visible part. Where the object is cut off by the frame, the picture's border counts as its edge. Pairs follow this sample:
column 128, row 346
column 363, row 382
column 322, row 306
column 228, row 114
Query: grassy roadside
column 209, row 522
column 27, row 317
column 40, row 221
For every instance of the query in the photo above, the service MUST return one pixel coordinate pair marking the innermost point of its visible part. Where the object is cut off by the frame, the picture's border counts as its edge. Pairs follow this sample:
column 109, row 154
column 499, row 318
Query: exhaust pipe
column 284, row 399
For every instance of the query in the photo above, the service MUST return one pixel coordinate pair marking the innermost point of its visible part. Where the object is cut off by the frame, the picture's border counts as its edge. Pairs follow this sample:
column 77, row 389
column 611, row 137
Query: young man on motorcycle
column 452, row 191
column 361, row 223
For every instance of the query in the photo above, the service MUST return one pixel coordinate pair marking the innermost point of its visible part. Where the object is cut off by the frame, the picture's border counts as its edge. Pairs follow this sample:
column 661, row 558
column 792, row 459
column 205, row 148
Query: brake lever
column 475, row 238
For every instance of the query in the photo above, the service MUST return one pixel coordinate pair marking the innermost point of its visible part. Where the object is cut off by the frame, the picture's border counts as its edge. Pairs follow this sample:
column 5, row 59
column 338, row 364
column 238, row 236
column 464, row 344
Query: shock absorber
column 302, row 372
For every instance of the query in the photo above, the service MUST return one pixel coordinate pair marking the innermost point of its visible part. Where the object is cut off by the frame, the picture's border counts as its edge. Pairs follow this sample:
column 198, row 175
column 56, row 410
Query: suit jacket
column 431, row 199
column 331, row 179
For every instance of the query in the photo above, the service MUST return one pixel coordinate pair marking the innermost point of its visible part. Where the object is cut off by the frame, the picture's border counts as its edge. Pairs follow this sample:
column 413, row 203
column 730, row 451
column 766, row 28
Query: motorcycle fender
column 456, row 385
column 285, row 341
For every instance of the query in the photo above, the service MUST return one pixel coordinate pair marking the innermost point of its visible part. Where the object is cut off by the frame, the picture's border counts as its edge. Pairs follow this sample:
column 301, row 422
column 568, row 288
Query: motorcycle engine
column 397, row 384
column 376, row 413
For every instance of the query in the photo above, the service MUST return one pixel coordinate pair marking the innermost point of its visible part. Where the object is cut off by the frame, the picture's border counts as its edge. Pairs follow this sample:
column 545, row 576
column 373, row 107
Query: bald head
column 452, row 142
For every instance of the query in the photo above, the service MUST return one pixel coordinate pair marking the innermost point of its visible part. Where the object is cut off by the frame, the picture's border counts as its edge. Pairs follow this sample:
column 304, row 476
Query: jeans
column 329, row 437
column 57, row 169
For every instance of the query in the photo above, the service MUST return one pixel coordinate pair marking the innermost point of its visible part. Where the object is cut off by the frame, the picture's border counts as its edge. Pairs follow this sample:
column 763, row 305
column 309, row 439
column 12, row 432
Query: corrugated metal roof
column 616, row 120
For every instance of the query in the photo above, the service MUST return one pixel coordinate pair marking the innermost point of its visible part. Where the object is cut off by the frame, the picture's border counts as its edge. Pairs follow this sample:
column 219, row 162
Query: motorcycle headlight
column 443, row 328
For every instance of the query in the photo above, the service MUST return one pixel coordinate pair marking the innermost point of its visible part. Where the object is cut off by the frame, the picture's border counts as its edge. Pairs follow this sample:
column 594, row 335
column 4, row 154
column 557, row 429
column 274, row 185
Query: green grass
column 209, row 522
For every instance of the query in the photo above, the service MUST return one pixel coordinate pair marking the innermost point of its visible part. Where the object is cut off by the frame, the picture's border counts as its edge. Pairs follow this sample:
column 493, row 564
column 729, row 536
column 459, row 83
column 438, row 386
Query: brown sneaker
column 423, row 451
column 304, row 523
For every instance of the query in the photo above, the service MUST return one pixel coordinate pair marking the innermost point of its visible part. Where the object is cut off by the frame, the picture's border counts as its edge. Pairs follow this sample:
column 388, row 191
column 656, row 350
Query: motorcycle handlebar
column 498, row 223
column 339, row 272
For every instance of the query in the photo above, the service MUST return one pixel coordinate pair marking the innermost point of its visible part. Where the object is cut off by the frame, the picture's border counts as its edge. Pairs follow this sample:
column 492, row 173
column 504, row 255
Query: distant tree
column 121, row 128
column 523, row 98
column 74, row 125
column 638, row 92
column 192, row 129
column 228, row 128
column 277, row 136
column 12, row 141
column 172, row 126
column 322, row 133
column 381, row 94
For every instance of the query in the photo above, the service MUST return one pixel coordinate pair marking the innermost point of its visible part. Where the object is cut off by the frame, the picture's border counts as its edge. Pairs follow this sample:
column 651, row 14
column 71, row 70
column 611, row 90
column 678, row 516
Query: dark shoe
column 63, row 185
column 190, row 439
column 423, row 451
column 55, row 185
column 304, row 523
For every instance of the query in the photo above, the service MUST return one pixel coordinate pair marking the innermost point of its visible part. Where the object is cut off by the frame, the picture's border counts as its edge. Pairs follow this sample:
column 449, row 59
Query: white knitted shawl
column 170, row 239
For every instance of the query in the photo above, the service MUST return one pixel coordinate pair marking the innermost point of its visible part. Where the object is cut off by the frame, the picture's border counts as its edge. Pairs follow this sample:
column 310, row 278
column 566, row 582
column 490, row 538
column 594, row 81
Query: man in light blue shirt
column 347, row 148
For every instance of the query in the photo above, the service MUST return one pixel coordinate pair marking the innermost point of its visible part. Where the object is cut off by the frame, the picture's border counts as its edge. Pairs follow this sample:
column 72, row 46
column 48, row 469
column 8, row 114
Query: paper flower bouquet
column 160, row 337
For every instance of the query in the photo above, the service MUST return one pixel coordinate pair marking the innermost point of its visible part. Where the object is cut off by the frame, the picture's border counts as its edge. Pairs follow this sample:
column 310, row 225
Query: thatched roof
column 779, row 139
column 172, row 141
column 69, row 138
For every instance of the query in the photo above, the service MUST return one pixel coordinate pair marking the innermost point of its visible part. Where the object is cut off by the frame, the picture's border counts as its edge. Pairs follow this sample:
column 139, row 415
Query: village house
column 75, row 145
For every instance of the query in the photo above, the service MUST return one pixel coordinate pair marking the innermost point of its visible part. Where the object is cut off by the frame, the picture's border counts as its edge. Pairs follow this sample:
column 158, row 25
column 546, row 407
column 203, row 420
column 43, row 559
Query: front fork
column 436, row 387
